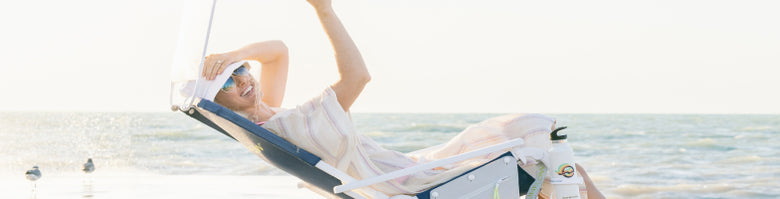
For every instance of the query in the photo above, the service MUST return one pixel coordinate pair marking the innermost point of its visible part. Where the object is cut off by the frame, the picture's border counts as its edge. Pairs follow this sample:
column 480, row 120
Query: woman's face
column 239, row 93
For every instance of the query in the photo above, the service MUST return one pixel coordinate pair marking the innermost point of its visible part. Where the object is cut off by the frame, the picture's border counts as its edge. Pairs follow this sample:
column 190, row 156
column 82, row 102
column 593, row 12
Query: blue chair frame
column 297, row 161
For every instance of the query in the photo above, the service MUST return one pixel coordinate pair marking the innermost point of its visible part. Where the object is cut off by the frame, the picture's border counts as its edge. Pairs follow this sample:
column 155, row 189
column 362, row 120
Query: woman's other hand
column 320, row 5
column 215, row 64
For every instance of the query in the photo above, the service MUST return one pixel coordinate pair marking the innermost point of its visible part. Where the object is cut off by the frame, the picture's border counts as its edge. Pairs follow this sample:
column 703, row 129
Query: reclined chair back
column 302, row 164
column 272, row 148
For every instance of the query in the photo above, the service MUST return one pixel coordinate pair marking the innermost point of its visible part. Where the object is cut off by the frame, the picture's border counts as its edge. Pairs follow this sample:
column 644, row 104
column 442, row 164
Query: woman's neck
column 259, row 113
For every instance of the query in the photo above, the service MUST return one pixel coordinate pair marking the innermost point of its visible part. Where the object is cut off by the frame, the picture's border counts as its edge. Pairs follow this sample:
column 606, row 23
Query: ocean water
column 168, row 155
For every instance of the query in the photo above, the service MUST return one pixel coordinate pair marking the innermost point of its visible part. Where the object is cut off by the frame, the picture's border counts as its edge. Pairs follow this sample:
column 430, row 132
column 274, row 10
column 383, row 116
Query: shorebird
column 89, row 167
column 33, row 174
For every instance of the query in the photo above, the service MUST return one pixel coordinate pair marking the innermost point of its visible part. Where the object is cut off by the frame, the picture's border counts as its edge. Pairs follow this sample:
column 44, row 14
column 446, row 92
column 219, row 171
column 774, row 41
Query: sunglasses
column 230, row 83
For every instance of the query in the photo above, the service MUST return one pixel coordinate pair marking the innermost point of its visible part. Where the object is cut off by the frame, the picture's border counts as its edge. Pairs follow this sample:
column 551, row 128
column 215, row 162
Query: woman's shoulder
column 329, row 92
column 323, row 109
column 278, row 109
column 325, row 100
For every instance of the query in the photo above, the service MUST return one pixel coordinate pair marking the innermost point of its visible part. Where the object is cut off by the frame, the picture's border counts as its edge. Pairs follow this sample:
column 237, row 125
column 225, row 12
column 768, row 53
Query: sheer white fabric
column 321, row 127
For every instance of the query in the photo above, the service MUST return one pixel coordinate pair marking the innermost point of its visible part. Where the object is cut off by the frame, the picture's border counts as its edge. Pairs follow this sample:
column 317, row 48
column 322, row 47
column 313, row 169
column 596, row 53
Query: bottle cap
column 554, row 135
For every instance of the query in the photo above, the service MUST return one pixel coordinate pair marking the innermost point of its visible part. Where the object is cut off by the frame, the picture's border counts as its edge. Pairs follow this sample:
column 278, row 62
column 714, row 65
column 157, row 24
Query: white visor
column 208, row 89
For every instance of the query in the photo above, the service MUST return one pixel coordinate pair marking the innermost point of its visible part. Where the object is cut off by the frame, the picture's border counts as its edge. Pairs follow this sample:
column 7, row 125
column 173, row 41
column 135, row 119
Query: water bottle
column 563, row 174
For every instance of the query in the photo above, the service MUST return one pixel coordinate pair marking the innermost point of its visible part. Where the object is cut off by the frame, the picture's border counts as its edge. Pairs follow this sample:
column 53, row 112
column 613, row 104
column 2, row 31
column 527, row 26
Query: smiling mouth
column 247, row 91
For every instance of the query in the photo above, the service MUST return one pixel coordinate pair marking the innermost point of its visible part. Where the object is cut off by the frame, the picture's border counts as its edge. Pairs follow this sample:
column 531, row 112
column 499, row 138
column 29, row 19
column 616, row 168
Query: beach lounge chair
column 499, row 178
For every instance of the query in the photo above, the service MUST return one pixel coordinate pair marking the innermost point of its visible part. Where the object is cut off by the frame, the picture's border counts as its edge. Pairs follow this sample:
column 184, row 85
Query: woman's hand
column 320, row 5
column 215, row 64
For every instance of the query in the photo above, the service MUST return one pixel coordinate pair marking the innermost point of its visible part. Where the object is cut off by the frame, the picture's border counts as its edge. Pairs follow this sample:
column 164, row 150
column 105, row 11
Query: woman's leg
column 593, row 192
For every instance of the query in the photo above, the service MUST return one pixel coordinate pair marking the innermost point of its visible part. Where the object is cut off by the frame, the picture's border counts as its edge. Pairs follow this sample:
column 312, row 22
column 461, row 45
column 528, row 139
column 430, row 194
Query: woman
column 323, row 126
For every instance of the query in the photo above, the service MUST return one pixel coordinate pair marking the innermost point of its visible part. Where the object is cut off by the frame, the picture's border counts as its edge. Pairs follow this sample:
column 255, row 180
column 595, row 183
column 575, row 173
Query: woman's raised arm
column 352, row 70
column 273, row 55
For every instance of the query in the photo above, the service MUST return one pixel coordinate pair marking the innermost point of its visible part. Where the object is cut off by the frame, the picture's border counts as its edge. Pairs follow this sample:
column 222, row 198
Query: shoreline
column 156, row 186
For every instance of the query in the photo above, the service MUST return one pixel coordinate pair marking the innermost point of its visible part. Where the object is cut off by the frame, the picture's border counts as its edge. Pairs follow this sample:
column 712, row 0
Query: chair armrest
column 427, row 166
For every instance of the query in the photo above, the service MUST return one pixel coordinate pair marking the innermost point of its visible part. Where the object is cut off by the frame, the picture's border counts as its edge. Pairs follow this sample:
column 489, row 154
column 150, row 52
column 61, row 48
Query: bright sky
column 604, row 56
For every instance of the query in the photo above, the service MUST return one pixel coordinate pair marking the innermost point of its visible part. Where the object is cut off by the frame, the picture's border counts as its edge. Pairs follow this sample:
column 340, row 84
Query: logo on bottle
column 565, row 170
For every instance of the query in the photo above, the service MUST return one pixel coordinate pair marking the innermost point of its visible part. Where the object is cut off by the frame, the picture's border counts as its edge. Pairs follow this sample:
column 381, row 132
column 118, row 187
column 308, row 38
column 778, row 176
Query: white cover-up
column 323, row 128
